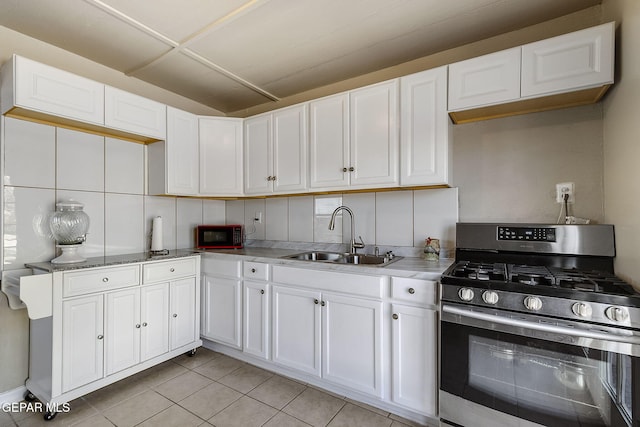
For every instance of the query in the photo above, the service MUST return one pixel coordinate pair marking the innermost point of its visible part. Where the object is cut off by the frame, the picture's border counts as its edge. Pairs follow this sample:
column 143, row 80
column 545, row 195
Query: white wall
column 622, row 140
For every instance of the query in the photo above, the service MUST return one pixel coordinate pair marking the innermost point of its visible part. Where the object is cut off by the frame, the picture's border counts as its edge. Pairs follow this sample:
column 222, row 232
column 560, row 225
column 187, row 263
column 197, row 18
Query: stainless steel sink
column 345, row 258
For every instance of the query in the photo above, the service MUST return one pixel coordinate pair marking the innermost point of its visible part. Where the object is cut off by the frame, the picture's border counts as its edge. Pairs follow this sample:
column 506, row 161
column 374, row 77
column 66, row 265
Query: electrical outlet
column 258, row 217
column 562, row 189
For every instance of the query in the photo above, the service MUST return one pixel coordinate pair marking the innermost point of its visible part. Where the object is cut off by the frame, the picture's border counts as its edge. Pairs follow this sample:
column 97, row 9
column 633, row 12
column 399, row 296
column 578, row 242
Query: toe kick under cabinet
column 110, row 322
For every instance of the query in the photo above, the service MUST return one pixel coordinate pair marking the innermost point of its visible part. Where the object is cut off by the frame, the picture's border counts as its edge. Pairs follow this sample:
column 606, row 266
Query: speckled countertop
column 107, row 261
column 413, row 267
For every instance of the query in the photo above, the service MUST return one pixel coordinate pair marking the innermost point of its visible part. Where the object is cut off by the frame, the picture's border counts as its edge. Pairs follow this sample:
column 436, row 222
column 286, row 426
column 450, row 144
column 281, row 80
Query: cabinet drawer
column 220, row 267
column 168, row 270
column 256, row 271
column 88, row 281
column 413, row 290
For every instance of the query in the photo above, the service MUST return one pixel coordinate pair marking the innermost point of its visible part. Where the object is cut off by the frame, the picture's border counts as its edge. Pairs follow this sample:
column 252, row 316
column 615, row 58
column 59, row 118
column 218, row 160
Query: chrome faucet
column 354, row 246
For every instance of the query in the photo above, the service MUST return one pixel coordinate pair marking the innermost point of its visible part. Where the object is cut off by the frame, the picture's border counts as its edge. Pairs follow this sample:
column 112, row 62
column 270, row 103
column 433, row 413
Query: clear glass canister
column 69, row 224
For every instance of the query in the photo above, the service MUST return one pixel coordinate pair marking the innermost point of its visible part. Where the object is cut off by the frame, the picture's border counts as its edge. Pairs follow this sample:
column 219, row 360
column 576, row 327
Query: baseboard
column 12, row 396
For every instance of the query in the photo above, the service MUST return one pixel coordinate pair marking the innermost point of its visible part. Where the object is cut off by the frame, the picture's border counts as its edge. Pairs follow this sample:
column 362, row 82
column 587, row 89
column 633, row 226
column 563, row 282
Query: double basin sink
column 345, row 258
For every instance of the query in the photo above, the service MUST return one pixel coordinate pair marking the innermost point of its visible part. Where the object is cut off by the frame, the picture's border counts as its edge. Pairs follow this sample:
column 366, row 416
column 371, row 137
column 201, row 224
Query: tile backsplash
column 44, row 165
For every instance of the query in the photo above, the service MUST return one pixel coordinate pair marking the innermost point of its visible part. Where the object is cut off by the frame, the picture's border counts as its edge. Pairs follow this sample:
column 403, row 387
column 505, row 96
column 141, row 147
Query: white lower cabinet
column 256, row 318
column 82, row 341
column 414, row 347
column 222, row 301
column 111, row 322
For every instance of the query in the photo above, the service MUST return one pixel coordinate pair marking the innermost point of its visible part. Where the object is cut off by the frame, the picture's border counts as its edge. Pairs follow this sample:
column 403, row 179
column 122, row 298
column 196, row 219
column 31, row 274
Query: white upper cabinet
column 572, row 61
column 276, row 152
column 374, row 135
column 485, row 80
column 329, row 142
column 173, row 164
column 132, row 113
column 48, row 91
column 424, row 128
column 220, row 156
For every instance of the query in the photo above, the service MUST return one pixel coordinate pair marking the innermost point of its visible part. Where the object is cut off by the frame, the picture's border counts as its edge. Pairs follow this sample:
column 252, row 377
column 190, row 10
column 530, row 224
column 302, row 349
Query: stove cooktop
column 544, row 280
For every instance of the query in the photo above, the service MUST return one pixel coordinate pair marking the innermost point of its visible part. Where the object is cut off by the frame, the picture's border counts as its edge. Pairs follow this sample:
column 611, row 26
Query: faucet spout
column 353, row 245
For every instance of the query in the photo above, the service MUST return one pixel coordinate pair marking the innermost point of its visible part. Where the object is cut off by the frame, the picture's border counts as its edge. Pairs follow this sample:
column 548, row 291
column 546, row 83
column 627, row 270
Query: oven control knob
column 582, row 309
column 465, row 294
column 617, row 314
column 533, row 303
column 490, row 297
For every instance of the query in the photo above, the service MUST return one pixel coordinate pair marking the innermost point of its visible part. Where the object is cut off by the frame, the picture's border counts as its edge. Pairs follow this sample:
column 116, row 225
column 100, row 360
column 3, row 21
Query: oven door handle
column 614, row 336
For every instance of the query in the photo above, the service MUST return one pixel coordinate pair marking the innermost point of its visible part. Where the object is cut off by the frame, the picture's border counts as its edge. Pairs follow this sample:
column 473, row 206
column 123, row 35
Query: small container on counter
column 431, row 249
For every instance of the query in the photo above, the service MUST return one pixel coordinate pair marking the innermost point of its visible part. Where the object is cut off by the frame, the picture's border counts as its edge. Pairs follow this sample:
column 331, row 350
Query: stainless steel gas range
column 537, row 330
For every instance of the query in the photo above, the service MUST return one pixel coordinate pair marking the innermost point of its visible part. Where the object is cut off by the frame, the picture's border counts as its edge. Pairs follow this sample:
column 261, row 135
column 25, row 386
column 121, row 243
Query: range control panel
column 539, row 234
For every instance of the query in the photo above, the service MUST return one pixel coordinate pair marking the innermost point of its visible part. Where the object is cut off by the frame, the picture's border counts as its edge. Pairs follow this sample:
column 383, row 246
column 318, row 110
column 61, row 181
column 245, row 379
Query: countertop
column 406, row 267
column 412, row 267
column 107, row 261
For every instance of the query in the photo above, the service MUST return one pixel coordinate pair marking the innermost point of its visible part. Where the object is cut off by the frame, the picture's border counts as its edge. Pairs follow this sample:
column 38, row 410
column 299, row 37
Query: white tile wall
column 301, row 219
column 235, row 212
column 213, row 212
column 255, row 230
column 80, row 160
column 394, row 218
column 30, row 152
column 277, row 219
column 123, row 224
column 122, row 167
column 188, row 217
column 164, row 207
column 435, row 213
column 363, row 206
column 323, row 208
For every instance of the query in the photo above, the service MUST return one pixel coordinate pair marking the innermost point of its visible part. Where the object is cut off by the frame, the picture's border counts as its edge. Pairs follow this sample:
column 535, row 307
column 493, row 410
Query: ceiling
column 236, row 54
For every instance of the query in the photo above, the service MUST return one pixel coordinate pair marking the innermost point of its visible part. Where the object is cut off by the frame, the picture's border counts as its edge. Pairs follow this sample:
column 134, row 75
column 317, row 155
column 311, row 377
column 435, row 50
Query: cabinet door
column 181, row 156
column 154, row 320
column 374, row 135
column 48, row 90
column 256, row 319
column 222, row 310
column 183, row 312
column 424, row 130
column 576, row 60
column 135, row 114
column 296, row 329
column 485, row 80
column 329, row 142
column 414, row 358
column 258, row 155
column 82, row 341
column 352, row 343
column 290, row 149
column 220, row 156
column 122, row 329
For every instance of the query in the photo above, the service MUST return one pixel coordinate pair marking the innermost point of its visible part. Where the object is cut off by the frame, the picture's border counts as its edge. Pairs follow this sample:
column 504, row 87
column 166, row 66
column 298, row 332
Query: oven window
column 547, row 382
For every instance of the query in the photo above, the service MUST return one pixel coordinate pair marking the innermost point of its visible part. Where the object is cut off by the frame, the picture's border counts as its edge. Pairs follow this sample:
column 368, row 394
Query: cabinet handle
column 315, row 301
column 262, row 291
column 351, row 169
column 273, row 178
column 105, row 279
column 145, row 324
column 173, row 270
column 270, row 178
column 100, row 337
column 175, row 315
column 138, row 326
column 322, row 303
column 253, row 270
column 395, row 316
column 344, row 169
column 412, row 291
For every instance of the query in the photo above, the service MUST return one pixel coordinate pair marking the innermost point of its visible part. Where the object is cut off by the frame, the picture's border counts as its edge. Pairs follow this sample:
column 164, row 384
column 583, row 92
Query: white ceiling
column 235, row 54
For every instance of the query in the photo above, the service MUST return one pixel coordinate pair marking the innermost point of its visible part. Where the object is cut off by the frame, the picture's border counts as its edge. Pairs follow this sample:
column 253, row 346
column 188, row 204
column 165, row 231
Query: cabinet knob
column 344, row 169
column 100, row 337
column 173, row 270
column 138, row 326
column 315, row 301
column 395, row 316
column 145, row 324
column 105, row 279
column 175, row 315
column 412, row 291
column 253, row 270
column 268, row 178
column 351, row 169
column 273, row 178
column 262, row 291
column 322, row 303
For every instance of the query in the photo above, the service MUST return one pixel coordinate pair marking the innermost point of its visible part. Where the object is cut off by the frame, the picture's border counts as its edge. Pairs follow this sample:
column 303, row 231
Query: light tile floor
column 210, row 389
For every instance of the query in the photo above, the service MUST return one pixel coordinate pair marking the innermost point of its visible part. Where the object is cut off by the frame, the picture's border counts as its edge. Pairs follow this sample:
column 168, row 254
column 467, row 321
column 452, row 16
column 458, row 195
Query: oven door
column 511, row 369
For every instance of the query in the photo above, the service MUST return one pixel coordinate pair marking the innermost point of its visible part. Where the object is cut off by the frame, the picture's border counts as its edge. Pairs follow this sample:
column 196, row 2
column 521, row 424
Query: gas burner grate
column 531, row 275
column 480, row 271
